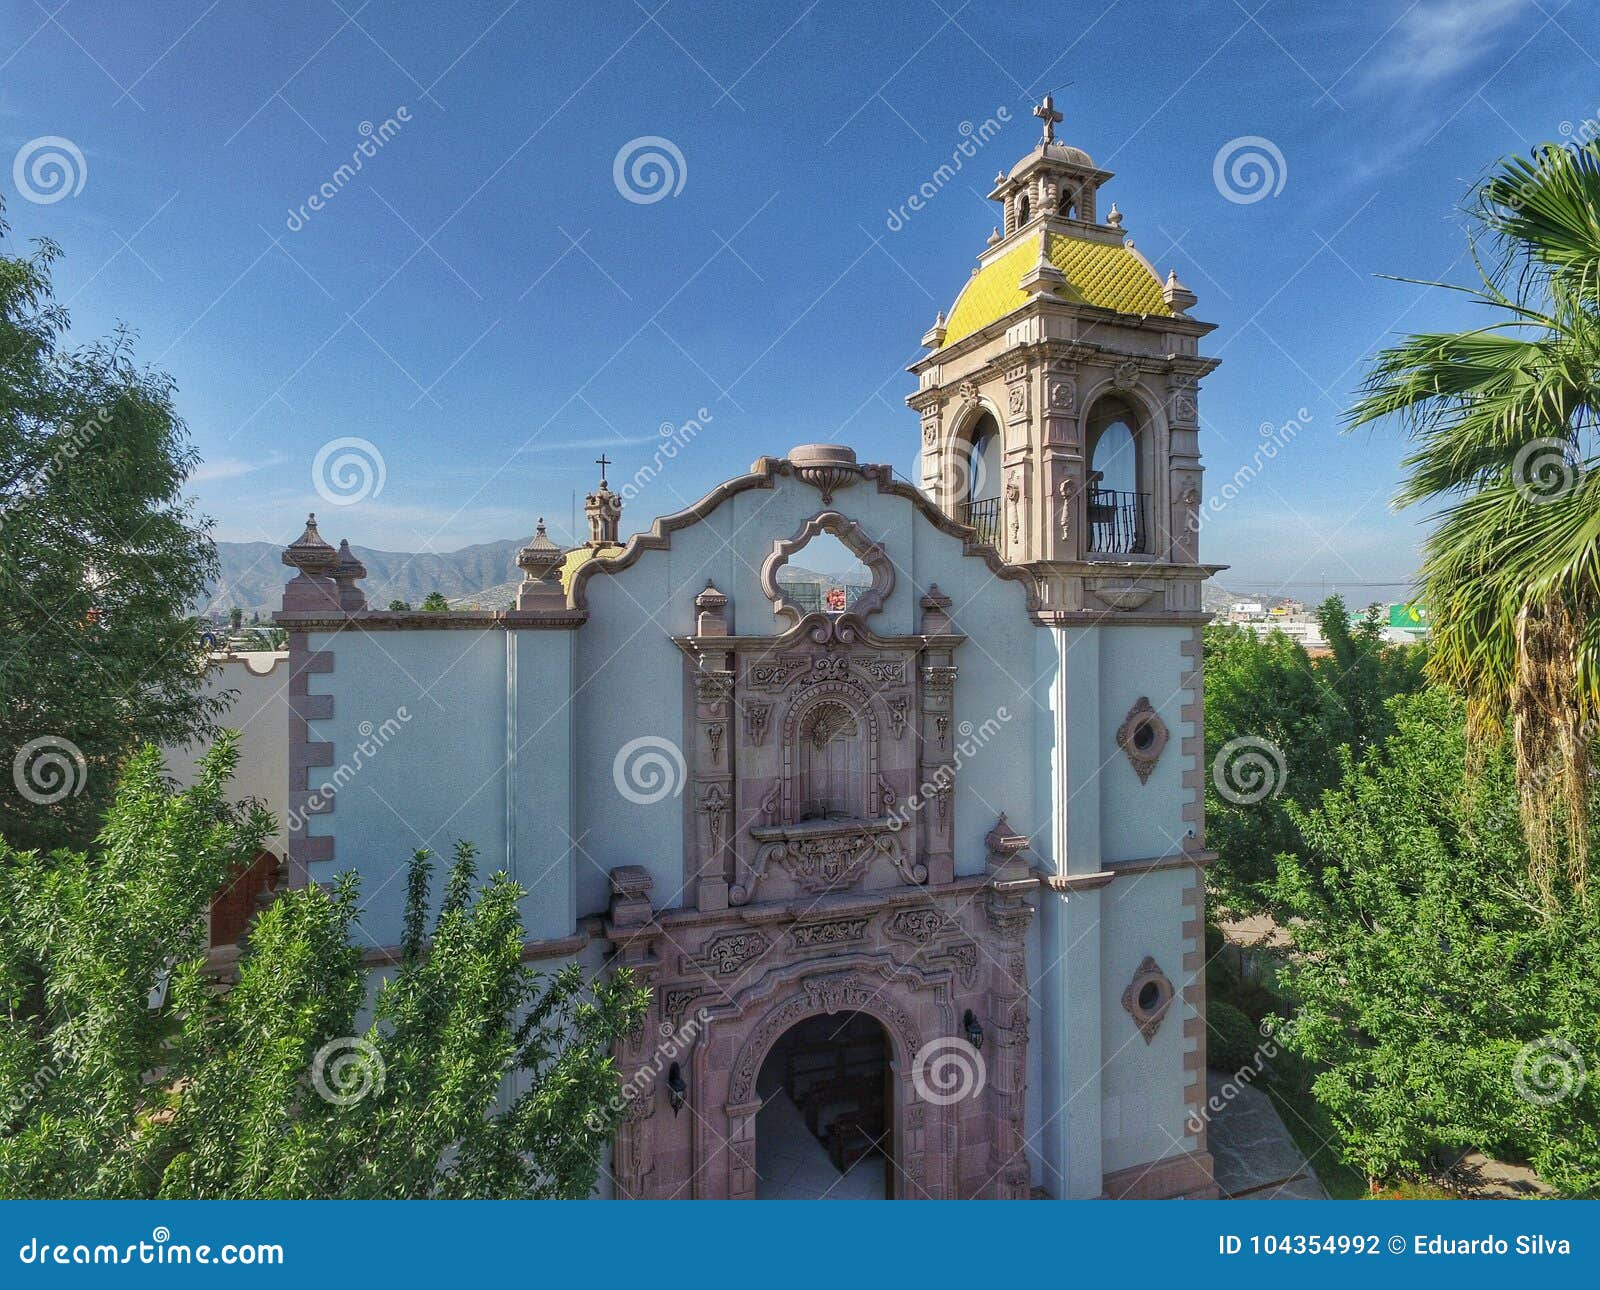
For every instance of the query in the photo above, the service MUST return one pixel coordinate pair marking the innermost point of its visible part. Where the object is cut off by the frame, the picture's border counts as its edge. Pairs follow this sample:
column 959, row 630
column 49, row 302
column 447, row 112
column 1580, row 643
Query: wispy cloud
column 1436, row 39
column 220, row 468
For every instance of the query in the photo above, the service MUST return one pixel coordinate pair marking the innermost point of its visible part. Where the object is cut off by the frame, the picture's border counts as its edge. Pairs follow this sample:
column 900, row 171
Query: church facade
column 910, row 853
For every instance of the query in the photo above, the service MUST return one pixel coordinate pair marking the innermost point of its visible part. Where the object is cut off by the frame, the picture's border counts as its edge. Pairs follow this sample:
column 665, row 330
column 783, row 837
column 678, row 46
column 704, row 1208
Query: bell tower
column 1059, row 397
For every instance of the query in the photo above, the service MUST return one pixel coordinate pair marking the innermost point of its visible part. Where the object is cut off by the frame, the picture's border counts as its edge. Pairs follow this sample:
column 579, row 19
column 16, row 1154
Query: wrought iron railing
column 1117, row 523
column 983, row 515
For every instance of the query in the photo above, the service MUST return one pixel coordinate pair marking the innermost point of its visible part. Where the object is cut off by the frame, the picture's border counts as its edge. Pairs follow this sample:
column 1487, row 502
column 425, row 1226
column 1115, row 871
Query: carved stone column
column 936, row 769
column 1008, row 916
column 714, row 740
column 632, row 930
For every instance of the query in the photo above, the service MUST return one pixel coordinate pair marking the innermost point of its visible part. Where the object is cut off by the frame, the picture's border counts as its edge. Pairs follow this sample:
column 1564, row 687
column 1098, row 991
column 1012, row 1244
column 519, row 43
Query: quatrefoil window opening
column 1143, row 737
column 1148, row 997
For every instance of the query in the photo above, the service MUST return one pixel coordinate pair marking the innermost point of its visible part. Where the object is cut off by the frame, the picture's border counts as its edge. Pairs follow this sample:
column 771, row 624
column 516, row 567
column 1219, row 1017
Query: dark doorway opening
column 825, row 1128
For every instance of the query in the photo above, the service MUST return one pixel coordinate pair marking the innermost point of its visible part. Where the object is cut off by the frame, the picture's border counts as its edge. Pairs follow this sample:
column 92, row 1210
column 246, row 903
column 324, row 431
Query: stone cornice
column 1066, row 308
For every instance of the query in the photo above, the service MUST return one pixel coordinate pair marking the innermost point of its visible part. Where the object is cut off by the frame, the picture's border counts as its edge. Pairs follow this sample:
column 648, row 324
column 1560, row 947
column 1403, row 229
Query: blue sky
column 484, row 305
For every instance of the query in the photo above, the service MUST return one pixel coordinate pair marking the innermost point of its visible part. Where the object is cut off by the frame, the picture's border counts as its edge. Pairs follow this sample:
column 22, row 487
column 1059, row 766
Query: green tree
column 1447, row 1009
column 1272, row 725
column 399, row 606
column 435, row 603
column 1274, row 712
column 474, row 1077
column 1501, row 419
column 100, row 560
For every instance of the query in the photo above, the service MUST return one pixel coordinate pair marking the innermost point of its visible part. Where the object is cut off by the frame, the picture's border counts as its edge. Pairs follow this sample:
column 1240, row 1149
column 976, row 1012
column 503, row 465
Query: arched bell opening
column 973, row 477
column 1118, row 496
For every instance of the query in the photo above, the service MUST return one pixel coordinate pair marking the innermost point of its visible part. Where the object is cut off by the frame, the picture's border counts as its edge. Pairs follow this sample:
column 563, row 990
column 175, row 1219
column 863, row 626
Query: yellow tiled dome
column 1105, row 274
column 578, row 557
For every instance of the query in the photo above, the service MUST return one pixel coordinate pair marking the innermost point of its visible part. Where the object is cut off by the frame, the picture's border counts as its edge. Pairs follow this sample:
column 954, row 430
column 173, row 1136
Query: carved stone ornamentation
column 1143, row 737
column 837, row 931
column 1017, row 400
column 726, row 955
column 826, row 467
column 1125, row 375
column 1148, row 997
column 897, row 715
column 714, row 734
column 674, row 1003
column 713, row 687
column 1063, row 395
column 756, row 716
column 832, row 861
column 939, row 678
column 918, row 926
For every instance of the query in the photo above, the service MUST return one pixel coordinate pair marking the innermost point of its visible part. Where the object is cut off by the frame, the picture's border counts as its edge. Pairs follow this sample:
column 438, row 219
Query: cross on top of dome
column 1046, row 112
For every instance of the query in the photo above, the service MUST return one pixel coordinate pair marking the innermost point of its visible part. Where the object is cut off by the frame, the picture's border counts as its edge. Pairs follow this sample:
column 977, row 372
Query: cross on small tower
column 603, row 461
column 1047, row 113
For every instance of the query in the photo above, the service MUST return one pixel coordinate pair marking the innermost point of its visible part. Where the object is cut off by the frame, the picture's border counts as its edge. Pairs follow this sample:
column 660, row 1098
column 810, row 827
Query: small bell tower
column 603, row 509
column 1059, row 396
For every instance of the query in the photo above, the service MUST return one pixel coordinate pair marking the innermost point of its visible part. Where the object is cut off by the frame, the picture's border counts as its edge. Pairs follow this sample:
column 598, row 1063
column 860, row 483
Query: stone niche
column 822, row 758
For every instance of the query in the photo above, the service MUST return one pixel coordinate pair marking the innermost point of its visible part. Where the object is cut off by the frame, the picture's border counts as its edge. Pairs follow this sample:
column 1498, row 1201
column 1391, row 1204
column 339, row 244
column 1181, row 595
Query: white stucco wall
column 259, row 711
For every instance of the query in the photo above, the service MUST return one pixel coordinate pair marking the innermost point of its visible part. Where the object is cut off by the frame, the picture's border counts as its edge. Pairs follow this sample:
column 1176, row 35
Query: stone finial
column 346, row 574
column 1178, row 297
column 309, row 552
column 1115, row 218
column 313, row 590
column 994, row 234
column 540, row 562
column 935, row 612
column 825, row 466
column 1044, row 277
column 711, row 616
column 933, row 338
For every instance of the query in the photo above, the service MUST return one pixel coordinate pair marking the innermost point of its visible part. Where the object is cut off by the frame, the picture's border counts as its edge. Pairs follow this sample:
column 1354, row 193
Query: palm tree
column 1502, row 421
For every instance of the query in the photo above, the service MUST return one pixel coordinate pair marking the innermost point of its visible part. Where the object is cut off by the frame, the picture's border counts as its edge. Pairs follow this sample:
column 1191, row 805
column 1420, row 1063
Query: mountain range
column 484, row 576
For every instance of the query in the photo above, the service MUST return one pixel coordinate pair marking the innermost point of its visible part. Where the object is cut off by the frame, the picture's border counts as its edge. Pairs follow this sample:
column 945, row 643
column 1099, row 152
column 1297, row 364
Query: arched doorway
column 825, row 1127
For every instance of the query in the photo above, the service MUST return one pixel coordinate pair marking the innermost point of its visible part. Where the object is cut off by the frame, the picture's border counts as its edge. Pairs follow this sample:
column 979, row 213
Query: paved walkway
column 1254, row 1156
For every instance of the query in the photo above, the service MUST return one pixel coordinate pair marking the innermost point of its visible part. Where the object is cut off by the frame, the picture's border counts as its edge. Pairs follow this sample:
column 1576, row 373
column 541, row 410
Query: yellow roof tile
column 1104, row 274
column 578, row 556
